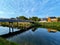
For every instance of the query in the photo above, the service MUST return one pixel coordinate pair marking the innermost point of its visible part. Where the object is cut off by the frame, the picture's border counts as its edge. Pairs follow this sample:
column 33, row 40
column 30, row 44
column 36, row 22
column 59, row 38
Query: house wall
column 52, row 20
column 49, row 20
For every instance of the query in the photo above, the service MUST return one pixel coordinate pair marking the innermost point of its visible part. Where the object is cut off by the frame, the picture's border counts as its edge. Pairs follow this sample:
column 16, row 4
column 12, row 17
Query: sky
column 29, row 8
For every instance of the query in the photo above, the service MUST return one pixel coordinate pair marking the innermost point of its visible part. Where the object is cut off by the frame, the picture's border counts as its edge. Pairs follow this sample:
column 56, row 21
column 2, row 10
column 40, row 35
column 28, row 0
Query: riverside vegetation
column 20, row 24
column 53, row 25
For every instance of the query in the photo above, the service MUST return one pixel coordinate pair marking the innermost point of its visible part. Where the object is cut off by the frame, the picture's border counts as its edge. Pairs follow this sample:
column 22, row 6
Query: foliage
column 54, row 25
column 58, row 18
column 34, row 18
column 20, row 24
column 22, row 18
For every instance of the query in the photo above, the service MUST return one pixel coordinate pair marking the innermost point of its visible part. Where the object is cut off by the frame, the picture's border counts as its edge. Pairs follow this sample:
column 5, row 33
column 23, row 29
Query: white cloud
column 32, row 10
column 3, row 12
column 27, row 11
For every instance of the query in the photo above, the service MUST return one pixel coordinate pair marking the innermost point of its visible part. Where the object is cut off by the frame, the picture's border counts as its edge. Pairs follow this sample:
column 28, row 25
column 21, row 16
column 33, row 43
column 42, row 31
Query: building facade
column 52, row 19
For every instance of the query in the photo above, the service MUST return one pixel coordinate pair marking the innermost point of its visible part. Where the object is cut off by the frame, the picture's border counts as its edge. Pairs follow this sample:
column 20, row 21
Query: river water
column 34, row 36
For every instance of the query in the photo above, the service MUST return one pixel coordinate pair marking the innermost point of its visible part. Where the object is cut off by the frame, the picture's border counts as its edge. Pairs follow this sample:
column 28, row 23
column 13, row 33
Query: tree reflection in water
column 33, row 29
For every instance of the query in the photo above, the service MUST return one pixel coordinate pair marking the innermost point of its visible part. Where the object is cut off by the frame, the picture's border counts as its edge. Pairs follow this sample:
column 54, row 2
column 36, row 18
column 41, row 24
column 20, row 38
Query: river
column 34, row 36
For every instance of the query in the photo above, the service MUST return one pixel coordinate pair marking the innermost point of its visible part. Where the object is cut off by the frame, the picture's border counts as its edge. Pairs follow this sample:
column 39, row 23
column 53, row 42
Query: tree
column 58, row 18
column 22, row 18
column 34, row 18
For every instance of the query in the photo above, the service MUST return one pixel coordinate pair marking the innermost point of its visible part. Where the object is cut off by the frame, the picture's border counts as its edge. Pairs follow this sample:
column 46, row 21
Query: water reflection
column 5, row 30
column 39, row 37
column 33, row 29
column 34, row 36
column 52, row 30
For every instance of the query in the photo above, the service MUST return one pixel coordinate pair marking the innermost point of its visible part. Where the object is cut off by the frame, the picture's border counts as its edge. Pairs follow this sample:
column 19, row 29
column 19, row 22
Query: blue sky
column 29, row 8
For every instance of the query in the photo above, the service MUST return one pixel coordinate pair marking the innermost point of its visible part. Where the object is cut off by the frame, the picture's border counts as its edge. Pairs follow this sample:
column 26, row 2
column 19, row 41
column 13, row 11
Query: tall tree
column 22, row 18
column 34, row 18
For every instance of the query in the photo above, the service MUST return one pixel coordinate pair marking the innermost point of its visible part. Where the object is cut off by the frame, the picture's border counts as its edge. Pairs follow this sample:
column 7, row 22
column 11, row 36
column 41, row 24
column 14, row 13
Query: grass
column 20, row 24
column 5, row 42
column 53, row 25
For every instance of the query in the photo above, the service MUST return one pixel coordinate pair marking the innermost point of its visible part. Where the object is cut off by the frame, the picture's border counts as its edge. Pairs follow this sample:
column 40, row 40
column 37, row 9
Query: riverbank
column 5, row 42
column 53, row 25
column 20, row 24
column 15, row 25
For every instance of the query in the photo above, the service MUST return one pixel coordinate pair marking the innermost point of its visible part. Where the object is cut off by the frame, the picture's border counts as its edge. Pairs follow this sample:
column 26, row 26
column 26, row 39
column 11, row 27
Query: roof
column 52, row 17
column 44, row 19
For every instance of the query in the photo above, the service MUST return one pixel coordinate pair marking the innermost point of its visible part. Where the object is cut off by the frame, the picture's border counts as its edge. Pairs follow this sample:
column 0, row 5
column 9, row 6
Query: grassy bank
column 5, row 42
column 20, row 24
column 53, row 25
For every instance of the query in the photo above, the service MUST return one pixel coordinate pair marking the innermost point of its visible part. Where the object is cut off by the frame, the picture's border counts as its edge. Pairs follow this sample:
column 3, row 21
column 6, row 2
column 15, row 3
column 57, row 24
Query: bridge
column 8, row 35
column 13, row 20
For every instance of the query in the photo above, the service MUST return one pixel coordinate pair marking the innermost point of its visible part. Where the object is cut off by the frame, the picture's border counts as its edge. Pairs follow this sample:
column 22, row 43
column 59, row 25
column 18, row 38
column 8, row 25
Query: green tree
column 22, row 18
column 58, row 18
column 34, row 18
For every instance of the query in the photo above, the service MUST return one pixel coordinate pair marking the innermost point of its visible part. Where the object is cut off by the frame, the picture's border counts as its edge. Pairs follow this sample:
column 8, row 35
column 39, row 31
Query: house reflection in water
column 52, row 30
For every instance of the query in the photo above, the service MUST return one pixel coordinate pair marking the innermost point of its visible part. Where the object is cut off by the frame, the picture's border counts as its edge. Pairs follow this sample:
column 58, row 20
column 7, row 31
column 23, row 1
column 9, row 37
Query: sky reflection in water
column 40, row 36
